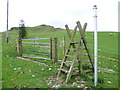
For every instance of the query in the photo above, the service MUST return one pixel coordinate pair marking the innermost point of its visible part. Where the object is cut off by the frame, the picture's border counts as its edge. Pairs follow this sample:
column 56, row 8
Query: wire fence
column 105, row 52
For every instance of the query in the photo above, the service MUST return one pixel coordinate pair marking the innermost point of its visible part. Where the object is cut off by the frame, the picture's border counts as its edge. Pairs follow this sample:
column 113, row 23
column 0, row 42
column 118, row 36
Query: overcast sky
column 60, row 12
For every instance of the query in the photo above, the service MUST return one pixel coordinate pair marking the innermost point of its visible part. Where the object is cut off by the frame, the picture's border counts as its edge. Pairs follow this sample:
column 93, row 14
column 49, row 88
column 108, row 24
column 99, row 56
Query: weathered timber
column 55, row 51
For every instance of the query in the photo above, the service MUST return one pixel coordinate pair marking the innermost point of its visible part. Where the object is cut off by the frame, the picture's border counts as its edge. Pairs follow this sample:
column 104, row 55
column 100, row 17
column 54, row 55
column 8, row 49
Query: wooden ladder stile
column 77, row 56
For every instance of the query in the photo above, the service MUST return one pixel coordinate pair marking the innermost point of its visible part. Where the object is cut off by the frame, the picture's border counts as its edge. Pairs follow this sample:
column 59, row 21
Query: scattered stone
column 82, row 81
column 109, row 82
column 42, row 69
column 19, row 68
column 33, row 75
column 14, row 68
column 98, row 70
column 49, row 83
column 49, row 69
column 29, row 70
column 74, row 84
column 24, row 86
column 82, row 85
column 21, row 72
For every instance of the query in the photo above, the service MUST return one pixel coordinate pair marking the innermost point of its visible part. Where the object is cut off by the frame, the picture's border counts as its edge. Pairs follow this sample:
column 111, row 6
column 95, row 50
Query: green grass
column 20, row 73
column 0, row 60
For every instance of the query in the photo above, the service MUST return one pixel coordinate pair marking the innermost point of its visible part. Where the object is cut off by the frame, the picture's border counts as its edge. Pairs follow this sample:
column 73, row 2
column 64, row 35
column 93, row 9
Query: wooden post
column 50, row 48
column 55, row 51
column 19, row 47
column 64, row 44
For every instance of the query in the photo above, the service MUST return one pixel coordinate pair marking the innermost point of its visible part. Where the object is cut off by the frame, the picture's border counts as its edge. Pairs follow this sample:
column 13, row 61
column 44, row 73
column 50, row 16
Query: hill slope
column 17, row 73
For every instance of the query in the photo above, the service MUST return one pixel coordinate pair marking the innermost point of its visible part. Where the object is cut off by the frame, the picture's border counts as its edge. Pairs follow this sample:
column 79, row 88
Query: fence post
column 19, row 47
column 64, row 44
column 50, row 48
column 55, row 51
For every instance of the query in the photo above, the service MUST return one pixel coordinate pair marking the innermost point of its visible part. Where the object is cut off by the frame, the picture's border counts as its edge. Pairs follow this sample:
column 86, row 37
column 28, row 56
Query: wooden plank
column 71, row 68
column 19, row 47
column 72, row 49
column 55, row 51
column 71, row 56
column 84, row 60
column 64, row 70
column 67, row 51
column 64, row 60
column 68, row 31
column 80, row 57
column 73, row 42
column 90, row 70
column 67, row 64
column 72, row 37
column 82, row 32
column 51, row 48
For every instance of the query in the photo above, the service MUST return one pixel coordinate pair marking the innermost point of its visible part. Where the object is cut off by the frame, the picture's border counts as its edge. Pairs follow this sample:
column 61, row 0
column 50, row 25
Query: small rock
column 82, row 85
column 82, row 81
column 24, row 86
column 29, row 70
column 19, row 68
column 33, row 75
column 109, row 82
column 98, row 70
column 74, row 84
column 42, row 69
column 49, row 68
column 21, row 72
column 14, row 68
column 57, row 86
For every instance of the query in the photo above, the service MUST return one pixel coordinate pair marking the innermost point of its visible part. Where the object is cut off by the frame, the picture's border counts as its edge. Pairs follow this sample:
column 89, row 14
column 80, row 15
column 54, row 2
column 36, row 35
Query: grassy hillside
column 17, row 73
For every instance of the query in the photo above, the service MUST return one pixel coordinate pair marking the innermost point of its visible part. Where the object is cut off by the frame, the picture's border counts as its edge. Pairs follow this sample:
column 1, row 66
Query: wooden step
column 67, row 64
column 73, row 42
column 69, row 56
column 72, row 49
column 63, row 70
column 89, row 70
column 74, row 73
column 84, row 60
column 84, row 48
column 84, row 54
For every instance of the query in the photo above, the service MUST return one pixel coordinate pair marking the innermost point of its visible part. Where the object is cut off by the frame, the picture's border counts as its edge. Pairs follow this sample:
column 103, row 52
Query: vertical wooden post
column 50, row 48
column 19, row 47
column 64, row 44
column 55, row 51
